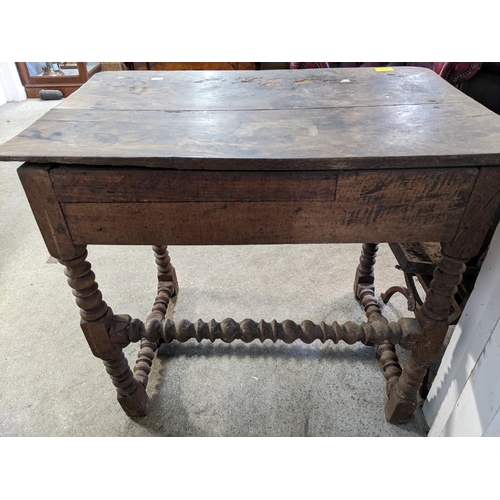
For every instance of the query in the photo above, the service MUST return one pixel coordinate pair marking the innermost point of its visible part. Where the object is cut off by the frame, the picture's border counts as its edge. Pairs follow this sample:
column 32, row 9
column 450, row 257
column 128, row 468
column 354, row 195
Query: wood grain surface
column 262, row 90
column 328, row 119
column 47, row 211
column 404, row 205
column 121, row 185
column 482, row 215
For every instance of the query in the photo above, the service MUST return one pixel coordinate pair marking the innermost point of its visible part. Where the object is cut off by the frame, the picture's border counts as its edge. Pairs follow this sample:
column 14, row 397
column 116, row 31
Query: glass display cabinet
column 64, row 76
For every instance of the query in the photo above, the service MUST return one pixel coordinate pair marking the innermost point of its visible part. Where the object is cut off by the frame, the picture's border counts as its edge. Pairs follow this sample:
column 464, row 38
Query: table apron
column 137, row 206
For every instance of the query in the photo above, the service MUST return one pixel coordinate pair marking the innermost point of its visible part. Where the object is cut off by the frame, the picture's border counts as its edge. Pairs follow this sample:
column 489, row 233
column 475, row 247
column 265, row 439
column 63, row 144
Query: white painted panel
column 471, row 335
column 10, row 82
column 473, row 331
column 3, row 99
column 480, row 398
column 493, row 430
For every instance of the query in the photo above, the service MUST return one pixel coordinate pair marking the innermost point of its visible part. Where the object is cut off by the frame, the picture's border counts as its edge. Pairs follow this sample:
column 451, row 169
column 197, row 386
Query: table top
column 318, row 119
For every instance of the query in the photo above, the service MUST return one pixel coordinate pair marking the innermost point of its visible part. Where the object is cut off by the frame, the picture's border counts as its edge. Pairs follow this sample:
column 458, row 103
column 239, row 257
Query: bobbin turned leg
column 364, row 291
column 477, row 220
column 96, row 321
column 433, row 320
column 364, row 282
column 167, row 289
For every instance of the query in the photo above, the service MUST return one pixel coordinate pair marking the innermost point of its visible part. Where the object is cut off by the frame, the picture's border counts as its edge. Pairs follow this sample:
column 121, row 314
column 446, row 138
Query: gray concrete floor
column 53, row 386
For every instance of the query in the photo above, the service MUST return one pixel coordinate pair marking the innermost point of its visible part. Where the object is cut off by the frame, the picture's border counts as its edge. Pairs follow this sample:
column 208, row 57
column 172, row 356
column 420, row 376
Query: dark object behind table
column 50, row 95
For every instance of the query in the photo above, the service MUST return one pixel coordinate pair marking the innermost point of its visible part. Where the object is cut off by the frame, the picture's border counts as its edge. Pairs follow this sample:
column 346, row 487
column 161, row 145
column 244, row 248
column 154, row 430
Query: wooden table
column 263, row 157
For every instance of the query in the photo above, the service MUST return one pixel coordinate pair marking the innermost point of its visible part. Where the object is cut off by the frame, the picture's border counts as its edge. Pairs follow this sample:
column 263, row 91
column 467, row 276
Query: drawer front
column 139, row 206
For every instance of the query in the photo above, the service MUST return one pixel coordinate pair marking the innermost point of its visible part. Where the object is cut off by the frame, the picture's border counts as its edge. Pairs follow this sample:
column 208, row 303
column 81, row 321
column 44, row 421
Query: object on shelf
column 62, row 76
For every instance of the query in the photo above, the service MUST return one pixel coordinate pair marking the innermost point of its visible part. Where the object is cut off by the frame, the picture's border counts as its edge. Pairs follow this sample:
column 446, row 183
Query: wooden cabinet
column 66, row 77
column 179, row 66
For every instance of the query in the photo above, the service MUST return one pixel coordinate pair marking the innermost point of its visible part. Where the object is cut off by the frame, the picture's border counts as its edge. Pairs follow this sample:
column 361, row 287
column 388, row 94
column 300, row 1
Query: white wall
column 3, row 98
column 464, row 399
column 11, row 87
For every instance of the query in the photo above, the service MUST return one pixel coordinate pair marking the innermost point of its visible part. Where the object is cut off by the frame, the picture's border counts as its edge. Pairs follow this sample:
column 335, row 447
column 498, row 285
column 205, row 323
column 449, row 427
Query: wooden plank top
column 325, row 119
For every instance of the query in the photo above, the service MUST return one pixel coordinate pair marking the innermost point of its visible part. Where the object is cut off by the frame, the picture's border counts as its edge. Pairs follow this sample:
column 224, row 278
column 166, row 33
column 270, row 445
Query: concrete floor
column 53, row 386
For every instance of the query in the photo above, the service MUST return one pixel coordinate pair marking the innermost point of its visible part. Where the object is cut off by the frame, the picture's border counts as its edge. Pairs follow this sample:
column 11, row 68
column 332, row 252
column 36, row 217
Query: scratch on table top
column 264, row 81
